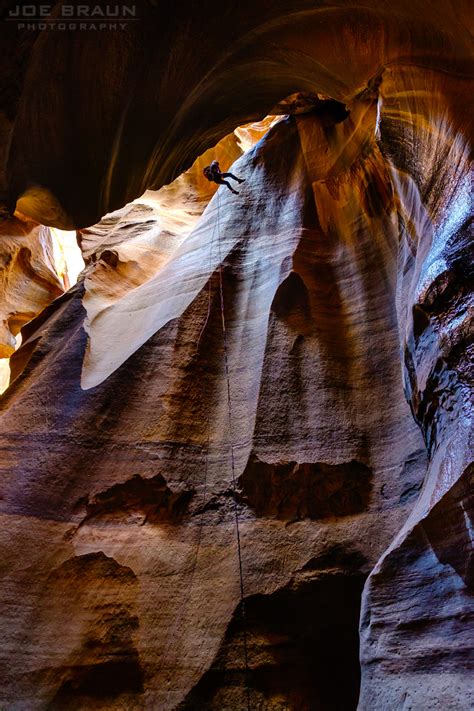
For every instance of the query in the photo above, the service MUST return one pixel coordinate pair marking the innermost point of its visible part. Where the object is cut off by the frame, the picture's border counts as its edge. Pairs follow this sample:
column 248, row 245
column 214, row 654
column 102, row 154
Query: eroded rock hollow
column 236, row 455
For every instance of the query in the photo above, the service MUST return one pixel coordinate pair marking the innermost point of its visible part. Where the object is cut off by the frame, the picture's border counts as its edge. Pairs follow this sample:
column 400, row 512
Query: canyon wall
column 416, row 627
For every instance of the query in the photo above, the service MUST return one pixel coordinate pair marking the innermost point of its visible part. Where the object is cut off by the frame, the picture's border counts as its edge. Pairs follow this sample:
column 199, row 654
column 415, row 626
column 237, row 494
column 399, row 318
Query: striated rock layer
column 29, row 278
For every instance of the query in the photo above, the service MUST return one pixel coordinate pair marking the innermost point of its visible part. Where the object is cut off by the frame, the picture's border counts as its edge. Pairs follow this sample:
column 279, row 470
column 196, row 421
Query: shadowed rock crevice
column 338, row 557
column 293, row 491
column 437, row 405
column 302, row 649
column 328, row 111
column 292, row 304
column 151, row 500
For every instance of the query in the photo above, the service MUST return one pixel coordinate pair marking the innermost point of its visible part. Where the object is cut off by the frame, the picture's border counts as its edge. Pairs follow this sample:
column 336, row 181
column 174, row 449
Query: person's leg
column 224, row 182
column 234, row 177
column 221, row 181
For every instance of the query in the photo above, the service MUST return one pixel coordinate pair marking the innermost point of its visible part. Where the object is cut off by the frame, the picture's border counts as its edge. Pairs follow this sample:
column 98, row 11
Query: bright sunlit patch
column 5, row 367
column 67, row 256
column 4, row 374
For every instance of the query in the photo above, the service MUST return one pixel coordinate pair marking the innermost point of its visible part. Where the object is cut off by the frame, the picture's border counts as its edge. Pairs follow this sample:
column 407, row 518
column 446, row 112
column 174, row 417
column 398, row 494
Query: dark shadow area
column 150, row 497
column 292, row 491
column 303, row 651
column 92, row 599
column 99, row 681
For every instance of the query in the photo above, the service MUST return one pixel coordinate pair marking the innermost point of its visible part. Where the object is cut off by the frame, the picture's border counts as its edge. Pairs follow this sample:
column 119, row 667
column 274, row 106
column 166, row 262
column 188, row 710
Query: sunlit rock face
column 37, row 265
column 30, row 278
column 133, row 245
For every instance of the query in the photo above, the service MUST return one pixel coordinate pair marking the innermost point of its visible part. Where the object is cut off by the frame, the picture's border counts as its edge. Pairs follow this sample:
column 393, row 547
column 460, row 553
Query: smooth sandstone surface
column 416, row 624
column 132, row 249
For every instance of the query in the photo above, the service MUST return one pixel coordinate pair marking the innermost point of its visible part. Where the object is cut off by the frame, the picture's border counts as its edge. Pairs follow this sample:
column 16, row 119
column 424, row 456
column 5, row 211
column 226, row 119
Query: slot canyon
column 236, row 429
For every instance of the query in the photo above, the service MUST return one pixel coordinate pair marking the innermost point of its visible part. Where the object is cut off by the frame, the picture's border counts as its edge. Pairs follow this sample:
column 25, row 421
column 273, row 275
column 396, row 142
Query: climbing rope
column 172, row 638
column 209, row 293
column 232, row 460
column 178, row 621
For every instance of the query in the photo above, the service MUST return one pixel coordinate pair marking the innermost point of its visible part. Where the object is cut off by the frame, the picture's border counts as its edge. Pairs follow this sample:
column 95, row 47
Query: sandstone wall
column 133, row 475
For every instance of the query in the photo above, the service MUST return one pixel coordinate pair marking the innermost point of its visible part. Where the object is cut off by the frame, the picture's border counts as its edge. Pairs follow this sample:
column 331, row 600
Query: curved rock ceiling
column 169, row 86
column 346, row 265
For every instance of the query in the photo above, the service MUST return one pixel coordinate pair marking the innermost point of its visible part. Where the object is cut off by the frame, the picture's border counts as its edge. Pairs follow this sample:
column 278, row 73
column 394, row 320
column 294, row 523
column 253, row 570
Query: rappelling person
column 214, row 175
